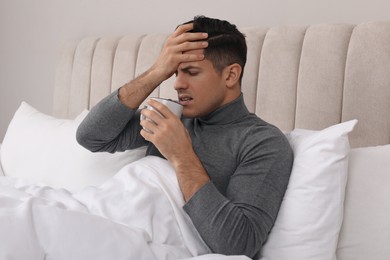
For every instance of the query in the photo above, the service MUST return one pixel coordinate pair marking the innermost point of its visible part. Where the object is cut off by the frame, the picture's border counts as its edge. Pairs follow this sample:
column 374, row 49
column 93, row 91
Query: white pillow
column 365, row 233
column 1, row 168
column 310, row 217
column 43, row 149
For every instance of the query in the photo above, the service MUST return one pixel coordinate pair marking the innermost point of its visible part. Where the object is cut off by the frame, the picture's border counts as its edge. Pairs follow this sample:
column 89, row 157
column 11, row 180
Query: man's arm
column 170, row 136
column 113, row 124
column 174, row 52
column 239, row 222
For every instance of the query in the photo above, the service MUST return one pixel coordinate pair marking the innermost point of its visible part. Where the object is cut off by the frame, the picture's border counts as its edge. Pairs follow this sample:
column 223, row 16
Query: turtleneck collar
column 226, row 114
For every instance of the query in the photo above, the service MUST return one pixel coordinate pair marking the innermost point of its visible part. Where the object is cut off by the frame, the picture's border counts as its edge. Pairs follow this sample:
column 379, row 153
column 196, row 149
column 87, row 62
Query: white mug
column 174, row 106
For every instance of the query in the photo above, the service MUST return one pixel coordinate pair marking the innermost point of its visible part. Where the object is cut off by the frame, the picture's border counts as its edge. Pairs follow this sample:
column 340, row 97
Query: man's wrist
column 133, row 93
column 191, row 175
column 159, row 74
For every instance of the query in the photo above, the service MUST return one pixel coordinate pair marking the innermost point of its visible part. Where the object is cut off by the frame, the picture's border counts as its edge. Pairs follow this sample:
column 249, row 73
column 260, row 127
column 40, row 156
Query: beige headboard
column 296, row 77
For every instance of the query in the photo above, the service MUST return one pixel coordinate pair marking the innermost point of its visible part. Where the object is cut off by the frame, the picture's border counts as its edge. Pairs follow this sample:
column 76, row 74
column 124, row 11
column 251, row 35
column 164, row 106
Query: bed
column 327, row 86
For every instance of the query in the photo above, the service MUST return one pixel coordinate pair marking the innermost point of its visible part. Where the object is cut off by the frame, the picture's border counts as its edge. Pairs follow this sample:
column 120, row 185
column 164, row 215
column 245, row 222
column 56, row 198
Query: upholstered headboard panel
column 296, row 77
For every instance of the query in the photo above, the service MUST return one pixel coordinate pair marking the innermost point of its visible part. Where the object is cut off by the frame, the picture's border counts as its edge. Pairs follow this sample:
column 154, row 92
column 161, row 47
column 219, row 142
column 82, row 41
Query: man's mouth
column 184, row 100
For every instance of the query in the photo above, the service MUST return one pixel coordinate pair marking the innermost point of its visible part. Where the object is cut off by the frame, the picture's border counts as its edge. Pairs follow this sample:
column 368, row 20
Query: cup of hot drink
column 174, row 106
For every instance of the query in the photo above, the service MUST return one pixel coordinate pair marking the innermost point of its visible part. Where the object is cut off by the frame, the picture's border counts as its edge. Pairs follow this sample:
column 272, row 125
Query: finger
column 182, row 35
column 160, row 108
column 183, row 52
column 192, row 36
column 191, row 58
column 189, row 46
column 149, row 123
column 151, row 115
column 183, row 28
column 146, row 134
column 148, row 126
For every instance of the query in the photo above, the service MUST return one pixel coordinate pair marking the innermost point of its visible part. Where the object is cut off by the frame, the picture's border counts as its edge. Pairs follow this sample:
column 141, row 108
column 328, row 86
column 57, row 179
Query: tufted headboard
column 296, row 77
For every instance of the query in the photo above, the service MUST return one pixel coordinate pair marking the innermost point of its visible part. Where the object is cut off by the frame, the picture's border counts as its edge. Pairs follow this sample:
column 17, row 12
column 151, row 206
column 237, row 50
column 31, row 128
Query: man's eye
column 192, row 73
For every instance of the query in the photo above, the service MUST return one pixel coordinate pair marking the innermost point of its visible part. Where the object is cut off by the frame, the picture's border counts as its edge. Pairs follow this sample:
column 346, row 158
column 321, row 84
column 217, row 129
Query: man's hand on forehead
column 189, row 41
column 178, row 49
column 185, row 29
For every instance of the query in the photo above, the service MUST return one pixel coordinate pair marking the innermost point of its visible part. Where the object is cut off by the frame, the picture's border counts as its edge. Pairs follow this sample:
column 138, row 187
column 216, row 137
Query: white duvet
column 135, row 215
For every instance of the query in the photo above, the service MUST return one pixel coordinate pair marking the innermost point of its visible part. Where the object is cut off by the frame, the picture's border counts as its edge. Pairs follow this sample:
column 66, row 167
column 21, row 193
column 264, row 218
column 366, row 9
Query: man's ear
column 232, row 74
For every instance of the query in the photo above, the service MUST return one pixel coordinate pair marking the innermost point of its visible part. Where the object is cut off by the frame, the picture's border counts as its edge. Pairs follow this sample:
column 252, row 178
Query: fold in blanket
column 135, row 215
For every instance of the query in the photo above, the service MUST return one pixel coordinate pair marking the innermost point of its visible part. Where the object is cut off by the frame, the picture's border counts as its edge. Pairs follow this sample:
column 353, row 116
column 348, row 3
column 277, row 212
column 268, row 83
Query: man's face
column 200, row 88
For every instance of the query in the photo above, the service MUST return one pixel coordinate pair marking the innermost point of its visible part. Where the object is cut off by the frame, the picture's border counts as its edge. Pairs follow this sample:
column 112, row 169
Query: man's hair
column 227, row 44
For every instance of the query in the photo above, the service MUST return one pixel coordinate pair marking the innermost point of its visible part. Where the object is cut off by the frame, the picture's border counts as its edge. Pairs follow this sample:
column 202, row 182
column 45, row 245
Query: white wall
column 32, row 30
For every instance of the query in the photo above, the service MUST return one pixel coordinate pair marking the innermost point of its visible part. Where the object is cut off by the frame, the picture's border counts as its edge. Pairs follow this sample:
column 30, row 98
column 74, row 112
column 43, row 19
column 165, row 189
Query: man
column 232, row 167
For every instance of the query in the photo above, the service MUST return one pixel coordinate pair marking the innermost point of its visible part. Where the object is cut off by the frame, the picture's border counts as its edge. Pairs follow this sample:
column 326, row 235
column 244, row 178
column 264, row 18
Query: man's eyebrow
column 187, row 68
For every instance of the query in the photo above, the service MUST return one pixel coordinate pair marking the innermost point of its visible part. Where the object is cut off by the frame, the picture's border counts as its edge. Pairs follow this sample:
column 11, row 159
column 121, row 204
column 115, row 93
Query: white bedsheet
column 135, row 215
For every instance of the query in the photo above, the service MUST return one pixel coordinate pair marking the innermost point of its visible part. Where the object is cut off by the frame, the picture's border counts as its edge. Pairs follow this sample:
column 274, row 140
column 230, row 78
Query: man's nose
column 180, row 82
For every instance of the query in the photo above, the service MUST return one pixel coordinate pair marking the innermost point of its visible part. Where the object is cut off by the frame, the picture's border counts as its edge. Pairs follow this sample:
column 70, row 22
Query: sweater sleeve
column 238, row 223
column 110, row 126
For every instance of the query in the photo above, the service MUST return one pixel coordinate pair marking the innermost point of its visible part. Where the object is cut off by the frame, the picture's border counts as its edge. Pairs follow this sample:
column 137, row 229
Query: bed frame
column 296, row 77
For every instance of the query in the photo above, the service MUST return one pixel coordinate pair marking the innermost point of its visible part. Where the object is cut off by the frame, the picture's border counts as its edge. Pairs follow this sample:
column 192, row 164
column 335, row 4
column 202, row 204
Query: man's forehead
column 190, row 65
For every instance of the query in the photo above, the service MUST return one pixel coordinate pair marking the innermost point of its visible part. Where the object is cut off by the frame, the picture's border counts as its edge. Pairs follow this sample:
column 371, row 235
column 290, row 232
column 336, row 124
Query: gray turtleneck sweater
column 248, row 160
